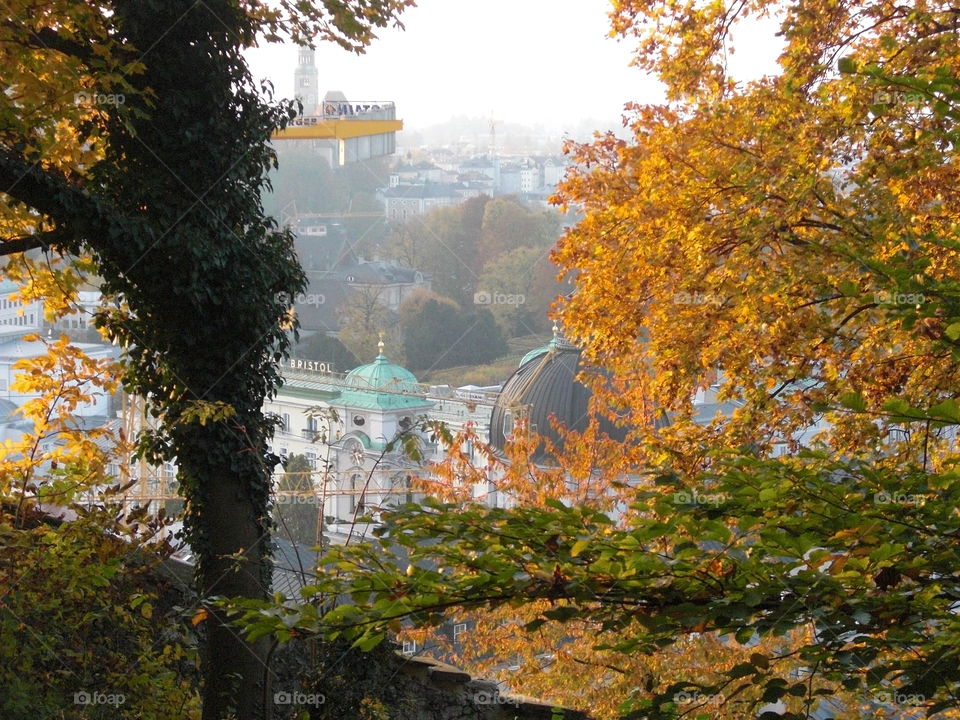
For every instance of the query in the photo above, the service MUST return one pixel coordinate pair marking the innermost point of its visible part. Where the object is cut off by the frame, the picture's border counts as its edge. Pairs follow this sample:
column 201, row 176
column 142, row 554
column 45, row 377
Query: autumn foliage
column 788, row 247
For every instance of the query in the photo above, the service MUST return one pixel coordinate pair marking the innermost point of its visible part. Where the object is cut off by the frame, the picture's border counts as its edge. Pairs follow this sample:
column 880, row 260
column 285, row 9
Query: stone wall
column 455, row 695
column 386, row 685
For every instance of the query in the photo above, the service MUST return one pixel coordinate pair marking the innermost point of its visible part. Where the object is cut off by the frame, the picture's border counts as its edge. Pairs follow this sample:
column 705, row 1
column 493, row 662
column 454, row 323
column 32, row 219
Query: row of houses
column 337, row 276
column 417, row 188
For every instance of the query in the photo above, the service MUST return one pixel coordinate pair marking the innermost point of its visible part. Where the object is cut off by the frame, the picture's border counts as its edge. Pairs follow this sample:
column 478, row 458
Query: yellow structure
column 323, row 129
column 357, row 130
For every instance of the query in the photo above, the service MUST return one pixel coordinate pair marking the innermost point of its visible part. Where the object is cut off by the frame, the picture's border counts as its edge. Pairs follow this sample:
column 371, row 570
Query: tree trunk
column 233, row 562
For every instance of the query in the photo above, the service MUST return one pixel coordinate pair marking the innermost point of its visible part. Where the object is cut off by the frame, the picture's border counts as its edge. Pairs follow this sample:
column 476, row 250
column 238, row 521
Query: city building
column 342, row 130
column 407, row 201
column 16, row 312
column 305, row 81
column 15, row 349
column 545, row 386
column 389, row 282
column 349, row 428
column 337, row 276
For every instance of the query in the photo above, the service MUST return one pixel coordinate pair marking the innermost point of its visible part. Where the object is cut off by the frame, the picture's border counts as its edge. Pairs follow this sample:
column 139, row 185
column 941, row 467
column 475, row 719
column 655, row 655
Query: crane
column 493, row 135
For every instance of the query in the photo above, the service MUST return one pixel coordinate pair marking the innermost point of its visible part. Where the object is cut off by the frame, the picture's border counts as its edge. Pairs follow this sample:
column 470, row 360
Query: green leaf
column 948, row 409
column 902, row 412
column 854, row 401
column 847, row 65
column 578, row 547
column 849, row 288
column 773, row 692
column 369, row 642
column 741, row 670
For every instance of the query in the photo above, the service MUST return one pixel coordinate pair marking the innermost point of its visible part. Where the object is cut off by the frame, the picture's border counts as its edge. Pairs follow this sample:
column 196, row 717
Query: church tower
column 305, row 81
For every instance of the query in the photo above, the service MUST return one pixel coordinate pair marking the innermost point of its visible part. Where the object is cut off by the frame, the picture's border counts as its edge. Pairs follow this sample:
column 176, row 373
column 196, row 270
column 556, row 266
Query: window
column 356, row 486
column 311, row 459
column 409, row 647
column 286, row 422
column 312, row 430
column 358, row 420
column 458, row 630
column 507, row 423
column 402, row 488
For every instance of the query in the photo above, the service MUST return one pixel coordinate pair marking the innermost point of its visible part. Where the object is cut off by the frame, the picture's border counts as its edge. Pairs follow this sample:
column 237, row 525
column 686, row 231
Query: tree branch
column 44, row 240
column 49, row 39
column 78, row 215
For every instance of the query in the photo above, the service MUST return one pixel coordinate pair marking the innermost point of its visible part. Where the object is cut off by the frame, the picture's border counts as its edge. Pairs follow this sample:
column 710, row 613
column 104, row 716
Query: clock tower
column 305, row 87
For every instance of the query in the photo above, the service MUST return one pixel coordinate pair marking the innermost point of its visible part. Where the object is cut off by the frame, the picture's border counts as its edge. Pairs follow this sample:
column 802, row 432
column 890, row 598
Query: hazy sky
column 546, row 62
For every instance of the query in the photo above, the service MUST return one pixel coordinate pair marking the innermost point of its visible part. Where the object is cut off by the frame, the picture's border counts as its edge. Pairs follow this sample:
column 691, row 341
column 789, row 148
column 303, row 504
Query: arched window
column 355, row 501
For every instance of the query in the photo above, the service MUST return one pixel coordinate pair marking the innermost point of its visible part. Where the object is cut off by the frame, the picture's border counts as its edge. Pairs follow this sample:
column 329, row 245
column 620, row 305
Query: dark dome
column 542, row 386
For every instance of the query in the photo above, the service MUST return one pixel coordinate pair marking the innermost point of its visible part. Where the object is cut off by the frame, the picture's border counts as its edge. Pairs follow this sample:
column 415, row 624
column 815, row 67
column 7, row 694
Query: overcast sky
column 546, row 62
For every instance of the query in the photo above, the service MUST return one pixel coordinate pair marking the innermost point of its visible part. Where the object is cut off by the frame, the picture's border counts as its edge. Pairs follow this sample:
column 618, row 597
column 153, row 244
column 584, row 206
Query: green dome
column 533, row 354
column 381, row 385
column 537, row 352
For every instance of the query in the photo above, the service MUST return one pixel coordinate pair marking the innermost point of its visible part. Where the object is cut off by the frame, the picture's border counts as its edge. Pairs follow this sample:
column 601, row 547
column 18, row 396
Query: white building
column 349, row 429
column 554, row 170
column 13, row 350
column 15, row 312
column 407, row 201
column 305, row 86
column 531, row 178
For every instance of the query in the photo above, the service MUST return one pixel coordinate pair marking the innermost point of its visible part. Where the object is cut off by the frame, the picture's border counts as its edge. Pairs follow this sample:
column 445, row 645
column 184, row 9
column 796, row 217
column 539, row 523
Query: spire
column 556, row 335
column 380, row 346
